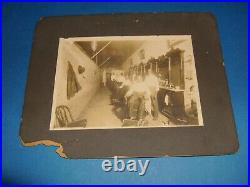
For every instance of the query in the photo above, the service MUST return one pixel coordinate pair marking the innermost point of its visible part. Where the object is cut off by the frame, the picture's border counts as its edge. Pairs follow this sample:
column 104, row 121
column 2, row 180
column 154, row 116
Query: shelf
column 171, row 89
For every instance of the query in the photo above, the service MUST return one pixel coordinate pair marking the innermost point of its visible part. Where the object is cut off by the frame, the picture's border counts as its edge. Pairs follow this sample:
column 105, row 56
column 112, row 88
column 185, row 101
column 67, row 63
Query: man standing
column 136, row 99
column 153, row 85
column 104, row 78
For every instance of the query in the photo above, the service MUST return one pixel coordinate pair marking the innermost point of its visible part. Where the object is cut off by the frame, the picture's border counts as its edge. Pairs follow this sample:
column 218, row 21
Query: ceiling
column 112, row 53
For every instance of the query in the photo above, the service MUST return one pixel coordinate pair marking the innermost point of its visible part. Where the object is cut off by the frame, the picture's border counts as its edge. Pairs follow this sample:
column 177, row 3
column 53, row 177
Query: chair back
column 63, row 115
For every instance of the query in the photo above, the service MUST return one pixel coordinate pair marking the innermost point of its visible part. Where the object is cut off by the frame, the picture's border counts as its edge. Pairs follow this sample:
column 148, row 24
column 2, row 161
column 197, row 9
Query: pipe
column 100, row 50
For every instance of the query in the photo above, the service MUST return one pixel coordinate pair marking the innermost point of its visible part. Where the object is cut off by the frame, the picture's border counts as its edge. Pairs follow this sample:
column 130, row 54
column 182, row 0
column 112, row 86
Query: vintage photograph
column 125, row 82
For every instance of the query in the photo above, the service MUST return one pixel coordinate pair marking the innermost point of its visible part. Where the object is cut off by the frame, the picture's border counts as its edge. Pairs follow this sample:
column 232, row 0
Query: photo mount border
column 217, row 137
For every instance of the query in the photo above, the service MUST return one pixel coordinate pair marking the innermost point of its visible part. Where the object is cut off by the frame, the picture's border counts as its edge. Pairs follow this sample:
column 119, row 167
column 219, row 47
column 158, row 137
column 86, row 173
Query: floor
column 101, row 113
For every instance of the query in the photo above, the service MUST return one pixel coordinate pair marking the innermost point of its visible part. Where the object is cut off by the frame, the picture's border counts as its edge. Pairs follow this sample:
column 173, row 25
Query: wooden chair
column 130, row 123
column 65, row 119
column 134, row 123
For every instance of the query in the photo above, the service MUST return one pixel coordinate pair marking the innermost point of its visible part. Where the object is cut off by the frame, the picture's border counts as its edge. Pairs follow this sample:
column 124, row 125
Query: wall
column 152, row 48
column 89, row 80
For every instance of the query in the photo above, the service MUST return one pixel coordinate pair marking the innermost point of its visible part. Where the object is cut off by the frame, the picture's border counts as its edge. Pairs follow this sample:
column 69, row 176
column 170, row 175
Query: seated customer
column 136, row 99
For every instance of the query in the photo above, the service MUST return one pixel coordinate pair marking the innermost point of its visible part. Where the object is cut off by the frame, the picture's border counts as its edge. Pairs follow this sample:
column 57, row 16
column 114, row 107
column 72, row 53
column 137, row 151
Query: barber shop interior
column 125, row 82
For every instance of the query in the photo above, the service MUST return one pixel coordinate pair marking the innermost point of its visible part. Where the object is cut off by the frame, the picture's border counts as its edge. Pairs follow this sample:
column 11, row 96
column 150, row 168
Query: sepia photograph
column 125, row 82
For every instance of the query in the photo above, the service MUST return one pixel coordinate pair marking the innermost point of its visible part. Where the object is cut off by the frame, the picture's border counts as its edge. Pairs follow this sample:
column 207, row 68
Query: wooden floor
column 100, row 113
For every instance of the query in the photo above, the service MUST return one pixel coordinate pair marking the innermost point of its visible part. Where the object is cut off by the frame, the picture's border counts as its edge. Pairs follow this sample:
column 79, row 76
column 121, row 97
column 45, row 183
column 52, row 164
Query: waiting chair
column 65, row 119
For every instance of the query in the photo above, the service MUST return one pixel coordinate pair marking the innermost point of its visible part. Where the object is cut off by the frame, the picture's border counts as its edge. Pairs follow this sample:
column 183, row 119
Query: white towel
column 166, row 100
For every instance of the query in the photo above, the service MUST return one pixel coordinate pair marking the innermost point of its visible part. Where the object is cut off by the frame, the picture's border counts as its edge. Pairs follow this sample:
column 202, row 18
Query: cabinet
column 171, row 77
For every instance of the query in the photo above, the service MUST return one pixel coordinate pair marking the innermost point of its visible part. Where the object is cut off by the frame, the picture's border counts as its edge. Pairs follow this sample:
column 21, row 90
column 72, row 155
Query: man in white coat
column 153, row 85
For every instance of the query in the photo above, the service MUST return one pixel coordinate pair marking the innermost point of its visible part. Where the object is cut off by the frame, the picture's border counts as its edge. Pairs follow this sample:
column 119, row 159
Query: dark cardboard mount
column 217, row 136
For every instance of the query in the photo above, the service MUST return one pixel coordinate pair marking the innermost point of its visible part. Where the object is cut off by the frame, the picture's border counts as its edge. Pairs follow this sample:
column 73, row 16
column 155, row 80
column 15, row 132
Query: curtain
column 73, row 85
